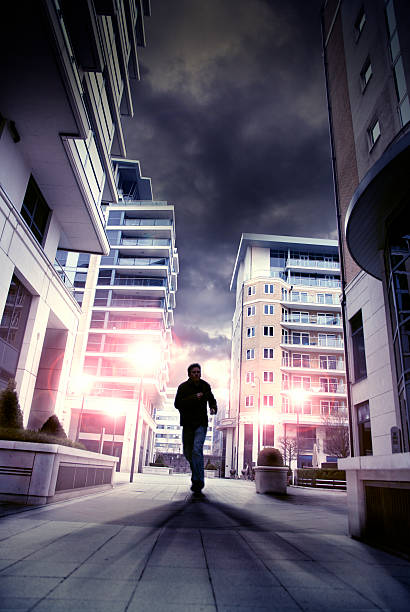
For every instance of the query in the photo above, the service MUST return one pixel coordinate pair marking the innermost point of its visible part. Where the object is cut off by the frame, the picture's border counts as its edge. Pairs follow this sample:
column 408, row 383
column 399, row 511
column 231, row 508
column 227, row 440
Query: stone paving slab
column 150, row 546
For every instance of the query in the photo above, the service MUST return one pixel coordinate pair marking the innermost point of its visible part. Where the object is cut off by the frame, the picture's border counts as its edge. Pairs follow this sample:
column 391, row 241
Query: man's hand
column 213, row 410
column 199, row 395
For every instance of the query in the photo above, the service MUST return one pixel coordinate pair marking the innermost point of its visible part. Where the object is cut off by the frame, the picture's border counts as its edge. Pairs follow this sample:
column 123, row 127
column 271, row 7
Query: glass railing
column 310, row 299
column 315, row 410
column 329, row 342
column 63, row 276
column 315, row 364
column 138, row 325
column 313, row 263
column 145, row 242
column 329, row 388
column 328, row 321
column 316, row 282
column 131, row 281
column 148, row 222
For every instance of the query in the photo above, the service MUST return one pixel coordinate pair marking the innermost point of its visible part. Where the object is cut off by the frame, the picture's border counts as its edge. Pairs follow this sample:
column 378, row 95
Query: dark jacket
column 192, row 411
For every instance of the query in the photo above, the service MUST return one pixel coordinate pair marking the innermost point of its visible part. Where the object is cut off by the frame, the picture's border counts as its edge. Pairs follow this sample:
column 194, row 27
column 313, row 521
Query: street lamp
column 259, row 411
column 298, row 397
column 145, row 357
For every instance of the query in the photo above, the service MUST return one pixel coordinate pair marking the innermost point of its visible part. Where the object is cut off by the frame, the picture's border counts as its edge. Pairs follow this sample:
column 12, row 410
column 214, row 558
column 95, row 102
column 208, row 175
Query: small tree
column 289, row 448
column 337, row 442
column 53, row 427
column 10, row 411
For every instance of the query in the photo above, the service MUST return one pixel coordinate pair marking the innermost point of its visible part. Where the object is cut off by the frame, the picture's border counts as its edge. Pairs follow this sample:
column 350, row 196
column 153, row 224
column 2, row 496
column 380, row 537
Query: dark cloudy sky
column 231, row 125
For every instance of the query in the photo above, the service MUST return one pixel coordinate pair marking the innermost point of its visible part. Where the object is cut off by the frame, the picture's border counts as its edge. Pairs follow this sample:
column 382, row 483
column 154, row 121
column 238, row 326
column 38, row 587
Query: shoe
column 197, row 485
column 198, row 495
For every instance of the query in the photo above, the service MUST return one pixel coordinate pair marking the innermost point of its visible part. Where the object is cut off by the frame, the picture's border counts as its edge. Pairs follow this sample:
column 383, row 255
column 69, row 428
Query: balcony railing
column 321, row 342
column 316, row 282
column 137, row 325
column 331, row 300
column 158, row 242
column 148, row 222
column 313, row 320
column 129, row 302
column 313, row 263
column 131, row 281
column 329, row 388
column 314, row 364
column 63, row 276
column 314, row 410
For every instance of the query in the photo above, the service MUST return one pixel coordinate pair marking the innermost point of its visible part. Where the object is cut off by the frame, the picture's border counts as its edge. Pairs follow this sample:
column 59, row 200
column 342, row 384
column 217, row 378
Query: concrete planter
column 152, row 469
column 210, row 473
column 35, row 473
column 271, row 479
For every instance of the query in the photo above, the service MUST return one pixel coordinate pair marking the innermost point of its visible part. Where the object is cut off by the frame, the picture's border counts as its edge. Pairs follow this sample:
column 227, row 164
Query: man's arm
column 211, row 401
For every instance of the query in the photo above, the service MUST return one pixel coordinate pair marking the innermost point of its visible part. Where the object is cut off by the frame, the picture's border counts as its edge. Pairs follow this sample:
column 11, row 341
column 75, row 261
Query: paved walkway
column 148, row 546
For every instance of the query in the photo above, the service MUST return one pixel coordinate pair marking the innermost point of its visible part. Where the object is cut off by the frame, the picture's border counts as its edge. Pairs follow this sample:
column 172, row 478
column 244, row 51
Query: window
column 250, row 332
column 300, row 338
column 300, row 361
column 301, row 382
column 284, row 294
column 268, row 289
column 250, row 377
column 359, row 23
column 35, row 211
column 285, row 358
column 252, row 290
column 268, row 353
column 250, row 354
column 324, row 298
column 268, row 401
column 285, row 336
column 359, row 354
column 268, row 377
column 366, row 73
column 327, row 362
column 374, row 133
column 268, row 436
column 249, row 401
column 285, row 404
column 285, row 382
column 251, row 311
column 269, row 309
column 299, row 317
column 268, row 330
column 365, row 429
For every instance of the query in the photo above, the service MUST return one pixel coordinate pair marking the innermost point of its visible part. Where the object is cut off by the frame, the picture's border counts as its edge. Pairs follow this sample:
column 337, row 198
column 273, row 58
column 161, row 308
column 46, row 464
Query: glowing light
column 298, row 395
column 145, row 356
column 81, row 384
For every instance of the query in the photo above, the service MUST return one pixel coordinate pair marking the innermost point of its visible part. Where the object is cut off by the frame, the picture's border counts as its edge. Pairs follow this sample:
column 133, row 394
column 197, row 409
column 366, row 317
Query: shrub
column 271, row 457
column 159, row 462
column 321, row 474
column 53, row 427
column 10, row 411
column 27, row 435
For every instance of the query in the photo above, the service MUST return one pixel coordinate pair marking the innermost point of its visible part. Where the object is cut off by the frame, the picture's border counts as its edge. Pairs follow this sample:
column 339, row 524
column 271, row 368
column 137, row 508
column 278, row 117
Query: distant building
column 128, row 298
column 367, row 63
column 168, row 436
column 65, row 70
column 287, row 364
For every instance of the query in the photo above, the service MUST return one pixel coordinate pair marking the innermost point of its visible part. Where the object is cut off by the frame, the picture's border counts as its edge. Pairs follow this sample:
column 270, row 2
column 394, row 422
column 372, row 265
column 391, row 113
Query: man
column 191, row 400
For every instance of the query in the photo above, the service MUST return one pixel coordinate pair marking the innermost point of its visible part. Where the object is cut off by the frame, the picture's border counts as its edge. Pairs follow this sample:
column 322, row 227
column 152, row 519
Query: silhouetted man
column 191, row 400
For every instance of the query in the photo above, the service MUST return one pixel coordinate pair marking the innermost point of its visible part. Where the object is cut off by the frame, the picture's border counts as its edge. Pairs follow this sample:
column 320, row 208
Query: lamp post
column 134, row 446
column 298, row 397
column 259, row 411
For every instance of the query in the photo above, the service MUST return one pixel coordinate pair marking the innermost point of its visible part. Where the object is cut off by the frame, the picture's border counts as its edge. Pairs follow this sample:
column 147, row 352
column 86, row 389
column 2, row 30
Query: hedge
column 28, row 435
column 321, row 474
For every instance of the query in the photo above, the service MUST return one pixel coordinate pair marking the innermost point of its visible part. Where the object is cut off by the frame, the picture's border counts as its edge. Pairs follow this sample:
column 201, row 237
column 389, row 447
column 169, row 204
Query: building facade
column 73, row 61
column 287, row 364
column 128, row 298
column 367, row 66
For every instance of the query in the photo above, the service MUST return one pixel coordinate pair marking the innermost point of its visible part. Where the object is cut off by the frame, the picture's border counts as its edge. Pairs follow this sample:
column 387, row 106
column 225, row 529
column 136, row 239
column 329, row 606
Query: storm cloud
column 231, row 125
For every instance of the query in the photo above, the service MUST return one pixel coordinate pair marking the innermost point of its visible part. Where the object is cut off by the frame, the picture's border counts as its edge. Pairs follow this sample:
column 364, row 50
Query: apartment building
column 65, row 70
column 287, row 364
column 367, row 66
column 123, row 345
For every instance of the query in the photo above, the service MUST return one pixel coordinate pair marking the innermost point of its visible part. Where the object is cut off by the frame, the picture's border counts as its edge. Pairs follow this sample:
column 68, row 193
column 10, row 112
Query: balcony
column 312, row 264
column 329, row 344
column 321, row 301
column 126, row 325
column 325, row 390
column 311, row 412
column 313, row 322
column 315, row 282
column 318, row 365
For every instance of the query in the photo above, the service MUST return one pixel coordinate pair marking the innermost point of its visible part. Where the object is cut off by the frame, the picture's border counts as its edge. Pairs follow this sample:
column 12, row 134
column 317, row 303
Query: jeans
column 193, row 439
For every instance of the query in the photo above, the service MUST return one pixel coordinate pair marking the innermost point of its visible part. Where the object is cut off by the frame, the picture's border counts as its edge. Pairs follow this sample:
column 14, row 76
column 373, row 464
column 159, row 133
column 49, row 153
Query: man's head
column 194, row 372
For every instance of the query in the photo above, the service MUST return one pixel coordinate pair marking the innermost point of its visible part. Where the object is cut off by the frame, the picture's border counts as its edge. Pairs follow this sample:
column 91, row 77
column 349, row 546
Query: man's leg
column 198, row 458
column 188, row 443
